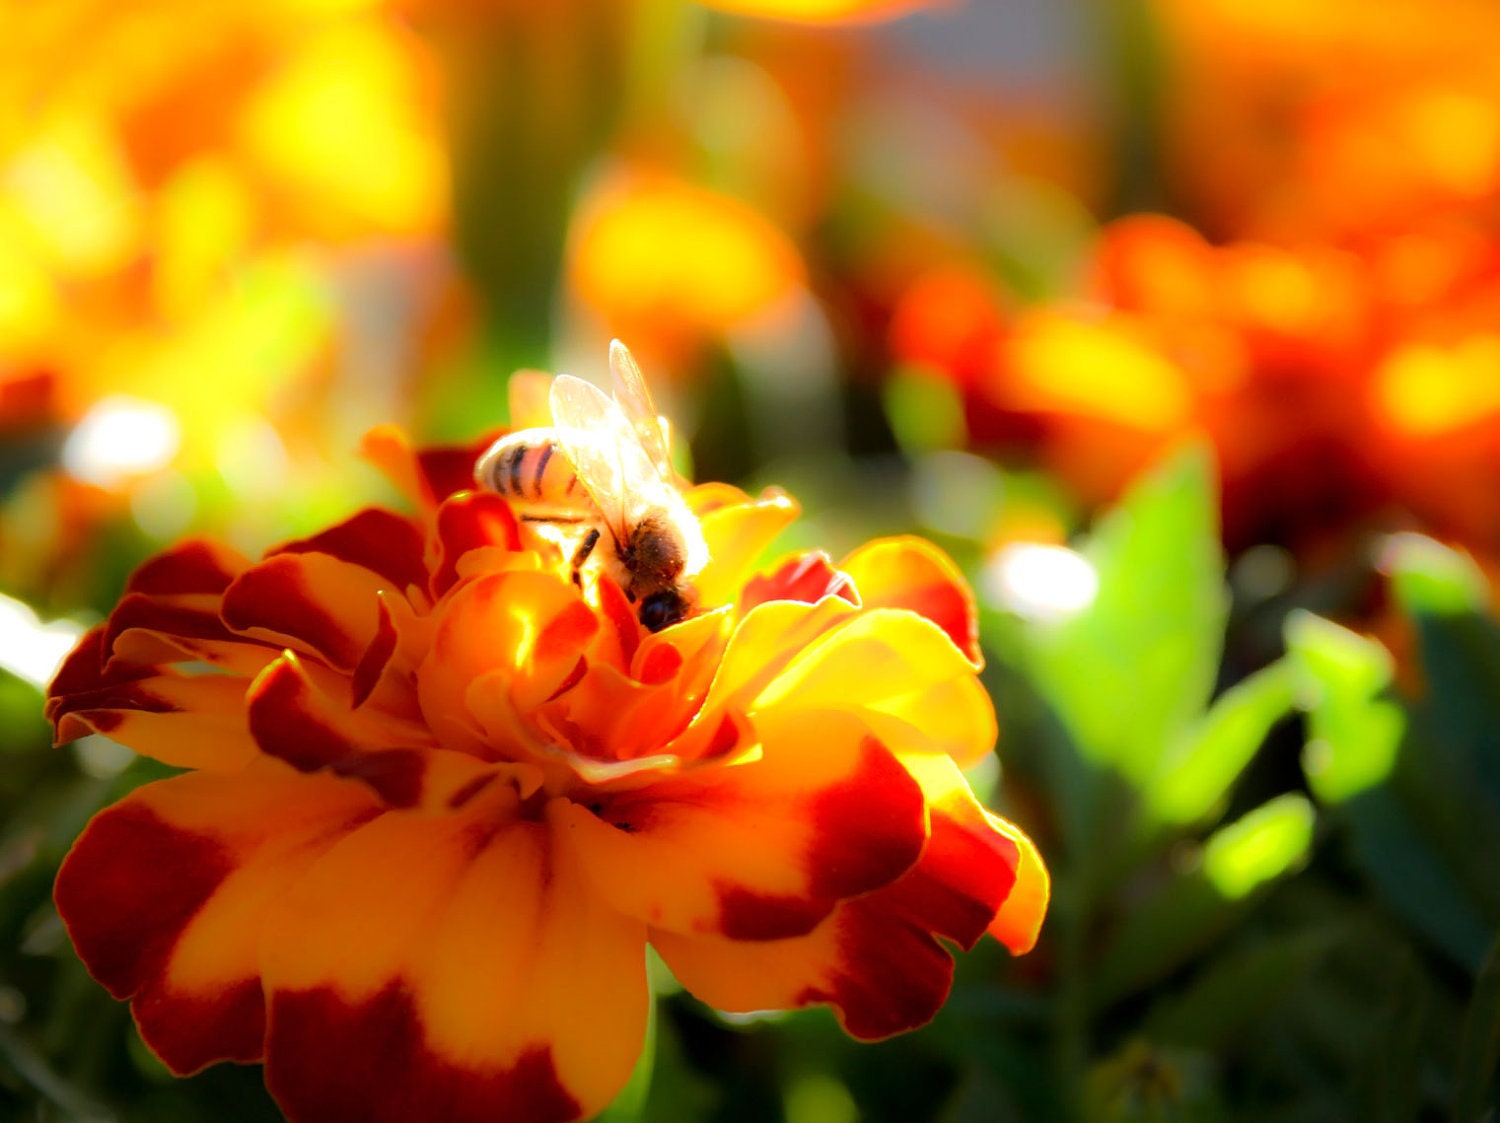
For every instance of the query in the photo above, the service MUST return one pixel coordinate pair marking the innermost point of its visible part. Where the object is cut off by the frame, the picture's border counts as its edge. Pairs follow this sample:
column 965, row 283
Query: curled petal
column 737, row 535
column 913, row 574
column 164, row 896
column 903, row 675
column 767, row 640
column 195, row 567
column 506, row 643
column 190, row 721
column 314, row 603
column 1019, row 921
column 470, row 521
column 761, row 849
column 807, row 577
column 144, row 630
column 450, row 967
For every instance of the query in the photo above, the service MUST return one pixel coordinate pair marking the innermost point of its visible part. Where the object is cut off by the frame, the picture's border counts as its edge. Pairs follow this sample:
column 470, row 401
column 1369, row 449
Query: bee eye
column 662, row 610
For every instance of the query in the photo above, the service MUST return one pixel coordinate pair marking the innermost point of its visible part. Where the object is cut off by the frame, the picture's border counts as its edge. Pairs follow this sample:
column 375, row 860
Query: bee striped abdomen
column 530, row 468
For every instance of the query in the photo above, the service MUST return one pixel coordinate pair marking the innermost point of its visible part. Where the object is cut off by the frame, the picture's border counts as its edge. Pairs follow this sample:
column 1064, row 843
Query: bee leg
column 581, row 555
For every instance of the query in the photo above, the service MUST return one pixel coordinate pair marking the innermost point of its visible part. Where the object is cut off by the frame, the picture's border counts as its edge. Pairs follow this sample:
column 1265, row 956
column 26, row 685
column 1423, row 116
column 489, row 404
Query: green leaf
column 1355, row 733
column 1389, row 1090
column 1237, row 988
column 1429, row 578
column 1197, row 906
column 1130, row 674
column 1195, row 784
column 1479, row 1050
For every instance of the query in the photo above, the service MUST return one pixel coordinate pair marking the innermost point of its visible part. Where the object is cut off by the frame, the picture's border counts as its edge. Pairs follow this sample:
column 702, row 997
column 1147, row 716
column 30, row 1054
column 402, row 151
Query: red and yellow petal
column 877, row 959
column 902, row 675
column 805, row 577
column 375, row 539
column 190, row 721
column 453, row 967
column 315, row 603
column 914, row 574
column 758, row 850
column 736, row 534
column 292, row 719
column 145, row 629
column 164, row 895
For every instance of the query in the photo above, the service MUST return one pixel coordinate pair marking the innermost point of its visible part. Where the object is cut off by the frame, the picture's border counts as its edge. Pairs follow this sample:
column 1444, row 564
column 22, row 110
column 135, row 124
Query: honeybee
column 599, row 477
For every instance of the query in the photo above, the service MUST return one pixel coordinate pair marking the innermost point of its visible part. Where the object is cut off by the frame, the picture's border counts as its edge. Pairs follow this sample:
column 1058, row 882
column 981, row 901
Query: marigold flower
column 440, row 795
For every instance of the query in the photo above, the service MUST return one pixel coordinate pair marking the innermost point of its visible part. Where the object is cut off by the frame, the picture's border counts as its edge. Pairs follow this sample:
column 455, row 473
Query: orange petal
column 164, row 896
column 761, row 849
column 914, row 574
column 902, row 675
column 451, row 967
column 505, row 644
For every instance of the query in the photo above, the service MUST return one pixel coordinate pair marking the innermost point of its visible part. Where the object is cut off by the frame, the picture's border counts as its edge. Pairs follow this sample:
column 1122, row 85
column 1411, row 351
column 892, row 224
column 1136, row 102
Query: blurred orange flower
column 671, row 264
column 441, row 795
column 1333, row 119
column 1334, row 394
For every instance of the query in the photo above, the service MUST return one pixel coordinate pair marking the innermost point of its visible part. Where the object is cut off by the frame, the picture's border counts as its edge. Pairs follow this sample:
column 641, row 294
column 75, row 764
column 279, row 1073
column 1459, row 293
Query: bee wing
column 605, row 450
column 640, row 410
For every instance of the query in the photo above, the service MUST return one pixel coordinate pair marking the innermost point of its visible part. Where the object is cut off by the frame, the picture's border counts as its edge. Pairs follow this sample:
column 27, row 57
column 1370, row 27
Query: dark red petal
column 449, row 469
column 375, row 539
column 275, row 596
column 127, row 891
column 373, row 662
column 194, row 566
column 83, row 670
column 173, row 621
column 339, row 1061
column 292, row 720
column 470, row 521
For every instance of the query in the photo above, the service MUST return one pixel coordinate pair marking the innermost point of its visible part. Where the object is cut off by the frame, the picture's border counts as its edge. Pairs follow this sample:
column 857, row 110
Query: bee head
column 663, row 609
